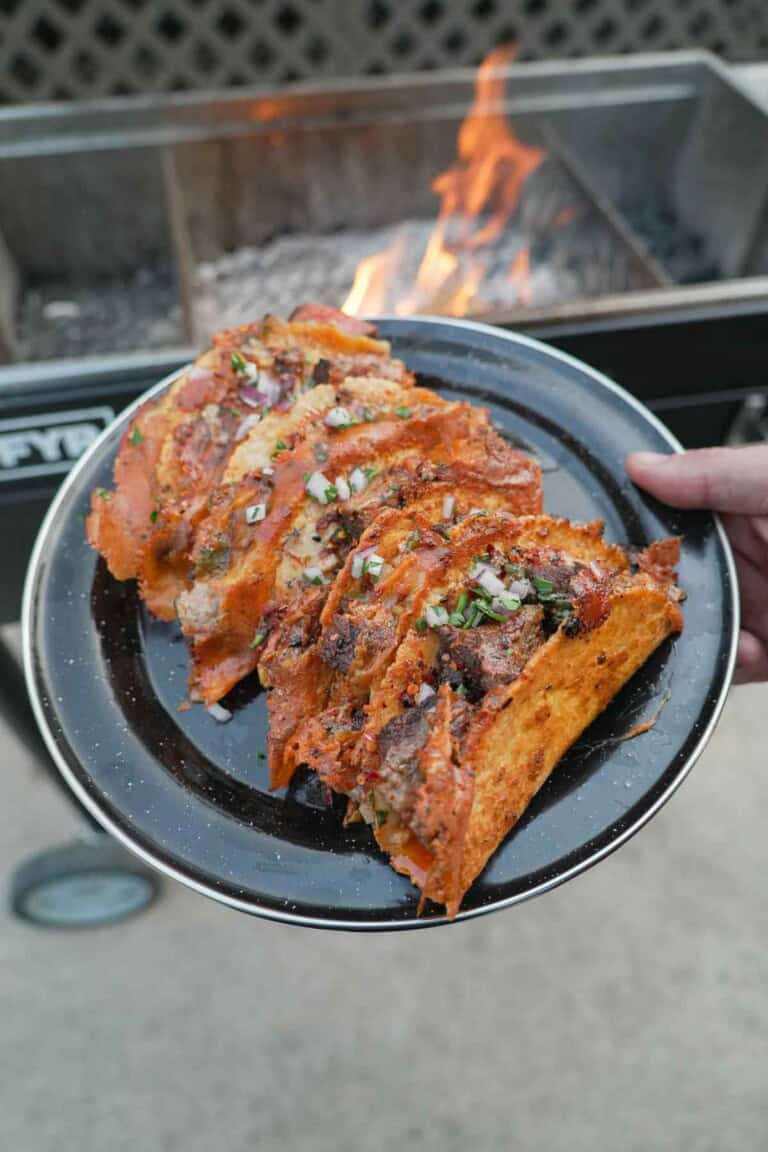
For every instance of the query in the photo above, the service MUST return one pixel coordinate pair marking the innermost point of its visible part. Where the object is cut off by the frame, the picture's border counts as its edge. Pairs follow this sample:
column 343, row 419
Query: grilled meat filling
column 481, row 658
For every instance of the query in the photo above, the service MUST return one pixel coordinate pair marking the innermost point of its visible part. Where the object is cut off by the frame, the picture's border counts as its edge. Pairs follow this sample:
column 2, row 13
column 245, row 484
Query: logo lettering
column 46, row 444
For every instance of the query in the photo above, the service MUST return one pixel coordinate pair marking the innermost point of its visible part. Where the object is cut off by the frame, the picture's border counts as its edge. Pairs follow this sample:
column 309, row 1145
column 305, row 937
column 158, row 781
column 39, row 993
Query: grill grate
column 64, row 49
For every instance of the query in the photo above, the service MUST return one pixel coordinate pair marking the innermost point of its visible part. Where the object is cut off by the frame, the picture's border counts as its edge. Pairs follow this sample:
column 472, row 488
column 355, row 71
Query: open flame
column 478, row 195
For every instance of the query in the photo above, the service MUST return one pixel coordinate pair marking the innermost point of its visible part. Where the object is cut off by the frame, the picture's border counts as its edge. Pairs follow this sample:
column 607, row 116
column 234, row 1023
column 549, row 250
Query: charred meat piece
column 337, row 648
column 348, row 638
column 482, row 658
column 399, row 744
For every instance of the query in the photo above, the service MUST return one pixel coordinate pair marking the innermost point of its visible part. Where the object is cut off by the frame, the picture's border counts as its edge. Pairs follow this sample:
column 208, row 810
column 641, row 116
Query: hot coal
column 59, row 319
column 681, row 252
column 574, row 255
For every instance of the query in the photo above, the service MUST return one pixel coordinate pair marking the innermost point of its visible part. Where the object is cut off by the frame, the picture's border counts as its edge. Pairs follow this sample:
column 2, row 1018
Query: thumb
column 722, row 479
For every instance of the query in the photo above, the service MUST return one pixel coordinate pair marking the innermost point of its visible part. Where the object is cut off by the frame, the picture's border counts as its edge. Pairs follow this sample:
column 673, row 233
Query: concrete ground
column 626, row 1011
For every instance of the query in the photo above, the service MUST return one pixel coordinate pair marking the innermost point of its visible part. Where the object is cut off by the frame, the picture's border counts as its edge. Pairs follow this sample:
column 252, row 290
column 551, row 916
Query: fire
column 520, row 274
column 478, row 195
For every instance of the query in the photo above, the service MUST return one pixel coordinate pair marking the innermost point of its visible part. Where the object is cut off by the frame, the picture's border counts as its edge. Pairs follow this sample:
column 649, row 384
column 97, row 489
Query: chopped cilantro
column 280, row 446
column 542, row 586
column 136, row 437
column 403, row 412
column 237, row 362
column 154, row 515
column 473, row 615
column 486, row 610
column 411, row 540
column 104, row 493
column 259, row 638
column 370, row 472
column 420, row 625
column 368, row 416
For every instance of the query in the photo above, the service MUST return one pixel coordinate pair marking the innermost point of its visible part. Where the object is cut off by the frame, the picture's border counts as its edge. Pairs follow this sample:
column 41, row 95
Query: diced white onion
column 374, row 565
column 219, row 713
column 255, row 512
column 358, row 481
column 436, row 615
column 314, row 574
column 338, row 418
column 251, row 370
column 519, row 588
column 317, row 486
column 328, row 562
column 489, row 581
column 358, row 561
column 267, row 471
column 342, row 488
column 245, row 425
column 425, row 691
column 449, row 505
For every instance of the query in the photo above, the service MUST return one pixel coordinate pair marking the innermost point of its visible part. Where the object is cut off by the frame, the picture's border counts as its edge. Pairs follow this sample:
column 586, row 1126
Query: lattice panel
column 57, row 49
column 60, row 49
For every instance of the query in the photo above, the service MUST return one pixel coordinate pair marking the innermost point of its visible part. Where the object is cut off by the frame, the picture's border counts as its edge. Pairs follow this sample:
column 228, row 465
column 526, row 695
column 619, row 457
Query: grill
column 129, row 229
column 180, row 214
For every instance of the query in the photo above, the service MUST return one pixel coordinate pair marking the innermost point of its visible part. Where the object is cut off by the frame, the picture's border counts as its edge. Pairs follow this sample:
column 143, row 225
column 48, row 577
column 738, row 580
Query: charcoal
column 59, row 319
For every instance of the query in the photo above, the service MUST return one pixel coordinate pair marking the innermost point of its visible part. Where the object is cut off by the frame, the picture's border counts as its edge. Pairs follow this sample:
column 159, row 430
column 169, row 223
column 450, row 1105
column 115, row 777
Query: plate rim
column 285, row 917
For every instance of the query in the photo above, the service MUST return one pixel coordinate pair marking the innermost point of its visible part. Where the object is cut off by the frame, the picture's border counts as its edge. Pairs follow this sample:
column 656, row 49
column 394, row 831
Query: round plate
column 189, row 794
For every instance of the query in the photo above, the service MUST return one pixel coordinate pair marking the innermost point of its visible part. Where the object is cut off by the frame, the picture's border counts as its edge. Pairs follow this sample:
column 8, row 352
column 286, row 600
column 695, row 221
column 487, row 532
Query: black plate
column 189, row 795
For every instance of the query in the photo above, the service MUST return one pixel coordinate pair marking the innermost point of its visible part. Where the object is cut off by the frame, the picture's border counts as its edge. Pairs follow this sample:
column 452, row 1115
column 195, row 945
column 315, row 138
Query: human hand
column 734, row 482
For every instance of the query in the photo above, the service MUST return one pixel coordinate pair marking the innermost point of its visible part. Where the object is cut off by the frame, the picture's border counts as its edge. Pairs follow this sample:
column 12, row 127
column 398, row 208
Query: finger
column 745, row 540
column 751, row 660
column 723, row 479
column 753, row 594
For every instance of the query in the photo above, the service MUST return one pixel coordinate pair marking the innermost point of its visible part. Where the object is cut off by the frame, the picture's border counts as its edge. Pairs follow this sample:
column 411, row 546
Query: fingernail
column 647, row 459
